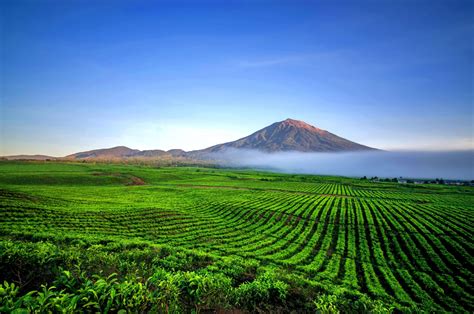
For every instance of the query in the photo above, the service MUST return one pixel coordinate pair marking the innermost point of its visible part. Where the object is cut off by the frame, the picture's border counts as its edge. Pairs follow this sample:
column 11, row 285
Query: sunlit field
column 104, row 238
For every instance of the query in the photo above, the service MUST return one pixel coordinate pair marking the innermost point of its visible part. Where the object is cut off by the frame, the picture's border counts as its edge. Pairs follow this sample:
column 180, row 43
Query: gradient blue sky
column 79, row 75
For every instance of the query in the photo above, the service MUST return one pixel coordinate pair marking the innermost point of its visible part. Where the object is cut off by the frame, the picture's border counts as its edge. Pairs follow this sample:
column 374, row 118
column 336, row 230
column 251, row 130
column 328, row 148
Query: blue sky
column 79, row 75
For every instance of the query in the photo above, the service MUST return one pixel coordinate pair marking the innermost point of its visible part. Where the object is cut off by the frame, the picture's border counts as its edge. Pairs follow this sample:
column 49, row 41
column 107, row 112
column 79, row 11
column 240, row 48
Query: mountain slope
column 114, row 152
column 123, row 152
column 290, row 135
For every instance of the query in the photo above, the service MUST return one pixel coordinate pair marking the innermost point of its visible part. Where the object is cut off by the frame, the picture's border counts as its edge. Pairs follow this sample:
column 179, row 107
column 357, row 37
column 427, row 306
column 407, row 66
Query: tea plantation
column 78, row 237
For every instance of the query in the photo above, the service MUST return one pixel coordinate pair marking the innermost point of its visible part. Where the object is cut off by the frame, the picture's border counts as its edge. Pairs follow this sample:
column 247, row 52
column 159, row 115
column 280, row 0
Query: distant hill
column 28, row 157
column 123, row 152
column 114, row 152
column 290, row 135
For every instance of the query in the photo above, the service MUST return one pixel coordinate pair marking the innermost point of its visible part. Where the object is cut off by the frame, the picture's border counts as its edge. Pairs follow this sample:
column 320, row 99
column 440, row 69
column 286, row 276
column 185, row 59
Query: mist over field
column 446, row 165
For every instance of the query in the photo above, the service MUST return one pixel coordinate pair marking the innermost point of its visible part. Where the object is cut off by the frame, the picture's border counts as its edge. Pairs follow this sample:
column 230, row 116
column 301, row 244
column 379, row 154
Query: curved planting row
column 413, row 247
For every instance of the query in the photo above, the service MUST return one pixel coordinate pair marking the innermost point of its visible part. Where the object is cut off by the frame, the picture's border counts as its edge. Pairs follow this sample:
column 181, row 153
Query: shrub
column 261, row 292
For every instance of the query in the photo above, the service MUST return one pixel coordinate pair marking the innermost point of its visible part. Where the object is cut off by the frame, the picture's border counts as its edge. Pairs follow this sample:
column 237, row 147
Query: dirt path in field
column 132, row 180
column 135, row 181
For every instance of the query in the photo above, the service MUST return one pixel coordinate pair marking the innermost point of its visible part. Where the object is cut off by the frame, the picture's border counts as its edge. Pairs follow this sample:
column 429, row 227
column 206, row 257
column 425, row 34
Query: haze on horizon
column 453, row 165
column 79, row 75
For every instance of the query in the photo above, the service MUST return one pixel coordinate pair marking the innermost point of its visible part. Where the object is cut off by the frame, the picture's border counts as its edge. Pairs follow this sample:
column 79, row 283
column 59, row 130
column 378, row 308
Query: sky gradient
column 80, row 75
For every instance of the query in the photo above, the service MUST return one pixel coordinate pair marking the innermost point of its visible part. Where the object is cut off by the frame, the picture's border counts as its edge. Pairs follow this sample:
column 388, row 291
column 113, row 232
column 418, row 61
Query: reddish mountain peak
column 301, row 125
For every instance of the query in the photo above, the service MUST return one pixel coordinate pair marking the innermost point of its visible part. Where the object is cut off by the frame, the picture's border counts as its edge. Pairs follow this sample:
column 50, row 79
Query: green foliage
column 81, row 237
column 205, row 290
column 344, row 301
column 261, row 293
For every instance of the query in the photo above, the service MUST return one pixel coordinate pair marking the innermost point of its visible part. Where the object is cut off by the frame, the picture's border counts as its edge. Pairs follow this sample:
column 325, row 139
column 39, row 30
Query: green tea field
column 122, row 238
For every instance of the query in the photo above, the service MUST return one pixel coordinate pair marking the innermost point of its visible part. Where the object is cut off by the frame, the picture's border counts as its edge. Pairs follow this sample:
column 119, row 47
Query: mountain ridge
column 290, row 135
column 282, row 136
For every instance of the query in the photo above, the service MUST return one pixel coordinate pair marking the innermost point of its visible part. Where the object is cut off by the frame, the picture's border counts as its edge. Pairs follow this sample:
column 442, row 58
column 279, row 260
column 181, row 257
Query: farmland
column 102, row 237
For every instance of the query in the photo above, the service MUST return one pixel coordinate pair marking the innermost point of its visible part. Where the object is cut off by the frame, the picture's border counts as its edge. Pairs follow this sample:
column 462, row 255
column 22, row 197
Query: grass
column 196, row 239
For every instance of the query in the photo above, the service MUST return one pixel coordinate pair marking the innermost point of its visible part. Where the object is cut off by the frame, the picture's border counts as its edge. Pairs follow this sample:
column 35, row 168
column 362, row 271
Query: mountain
column 290, row 135
column 287, row 135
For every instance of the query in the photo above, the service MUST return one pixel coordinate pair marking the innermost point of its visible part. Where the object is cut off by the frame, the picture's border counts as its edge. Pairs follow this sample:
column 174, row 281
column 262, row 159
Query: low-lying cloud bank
column 446, row 165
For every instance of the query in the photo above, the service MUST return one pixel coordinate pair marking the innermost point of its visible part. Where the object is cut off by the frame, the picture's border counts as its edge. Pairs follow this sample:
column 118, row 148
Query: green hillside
column 106, row 238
